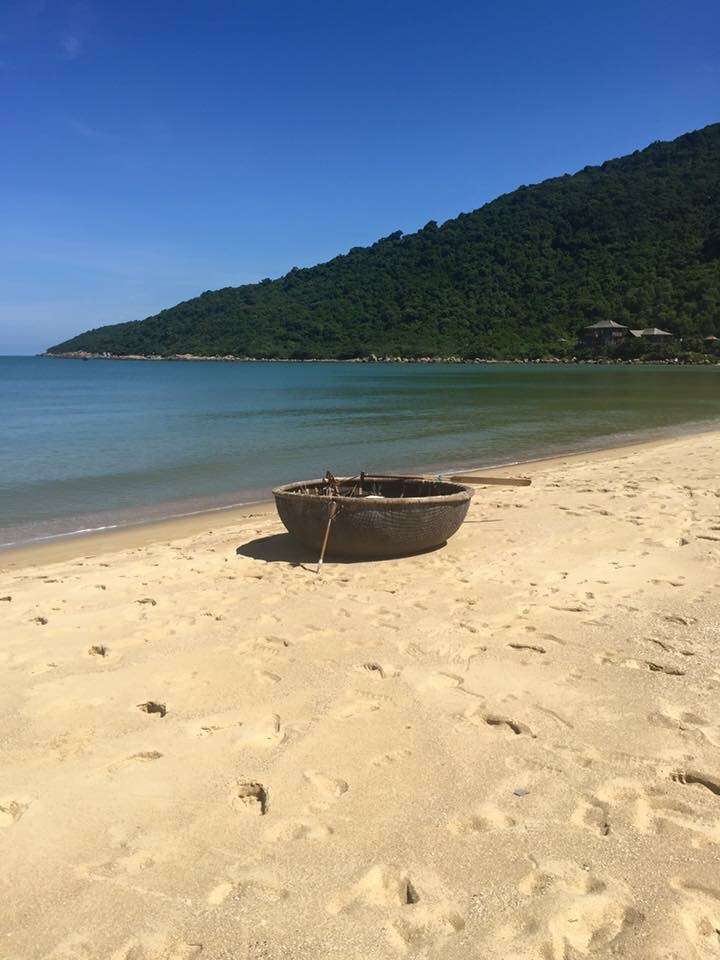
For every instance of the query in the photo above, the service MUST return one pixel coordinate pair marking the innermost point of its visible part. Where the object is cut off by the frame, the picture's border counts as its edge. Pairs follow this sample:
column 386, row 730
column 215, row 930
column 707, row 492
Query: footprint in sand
column 711, row 783
column 663, row 814
column 534, row 648
column 11, row 810
column 251, row 797
column 214, row 723
column 439, row 680
column 687, row 723
column 43, row 668
column 131, row 949
column 135, row 862
column 267, row 677
column 392, row 756
column 272, row 643
column 663, row 807
column 558, row 717
column 699, row 915
column 593, row 815
column 265, row 734
column 665, row 647
column 417, row 916
column 357, row 708
column 146, row 756
column 373, row 667
column 611, row 659
column 185, row 951
column 298, row 829
column 150, row 706
column 551, row 638
column 380, row 670
column 330, row 787
column 129, row 859
column 485, row 818
column 255, row 888
column 676, row 618
column 220, row 893
column 498, row 722
column 568, row 912
column 668, row 669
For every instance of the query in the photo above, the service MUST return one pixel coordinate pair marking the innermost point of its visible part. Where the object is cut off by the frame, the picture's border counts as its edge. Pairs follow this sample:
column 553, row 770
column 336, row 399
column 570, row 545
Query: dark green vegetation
column 636, row 240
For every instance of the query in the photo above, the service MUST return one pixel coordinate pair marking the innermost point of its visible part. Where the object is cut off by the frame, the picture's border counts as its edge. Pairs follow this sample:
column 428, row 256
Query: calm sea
column 93, row 444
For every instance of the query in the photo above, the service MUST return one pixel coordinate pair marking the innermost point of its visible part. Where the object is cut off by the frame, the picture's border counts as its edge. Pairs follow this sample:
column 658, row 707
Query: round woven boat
column 383, row 517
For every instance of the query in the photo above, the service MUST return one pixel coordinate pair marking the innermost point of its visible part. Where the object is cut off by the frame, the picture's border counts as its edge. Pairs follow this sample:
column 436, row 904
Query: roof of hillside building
column 606, row 325
column 711, row 337
column 635, row 333
column 654, row 332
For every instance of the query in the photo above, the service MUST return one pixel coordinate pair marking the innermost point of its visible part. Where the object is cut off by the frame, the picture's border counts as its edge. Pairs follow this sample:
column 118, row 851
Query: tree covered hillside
column 636, row 240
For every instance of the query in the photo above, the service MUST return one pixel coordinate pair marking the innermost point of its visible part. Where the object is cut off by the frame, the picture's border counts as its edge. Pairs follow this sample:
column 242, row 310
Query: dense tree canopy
column 636, row 240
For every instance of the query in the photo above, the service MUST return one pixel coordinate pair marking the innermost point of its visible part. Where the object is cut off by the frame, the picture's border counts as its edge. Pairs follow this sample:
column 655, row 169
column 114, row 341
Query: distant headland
column 634, row 242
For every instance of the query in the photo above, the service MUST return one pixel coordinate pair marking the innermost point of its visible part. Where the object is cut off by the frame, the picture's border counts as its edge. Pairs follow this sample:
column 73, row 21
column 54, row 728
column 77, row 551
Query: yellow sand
column 508, row 748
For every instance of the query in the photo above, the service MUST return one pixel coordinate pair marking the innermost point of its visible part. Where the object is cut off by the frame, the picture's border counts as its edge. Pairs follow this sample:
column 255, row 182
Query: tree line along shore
column 705, row 359
column 634, row 243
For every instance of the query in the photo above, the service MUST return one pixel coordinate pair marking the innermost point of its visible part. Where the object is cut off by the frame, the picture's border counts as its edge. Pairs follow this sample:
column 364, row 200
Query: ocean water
column 85, row 445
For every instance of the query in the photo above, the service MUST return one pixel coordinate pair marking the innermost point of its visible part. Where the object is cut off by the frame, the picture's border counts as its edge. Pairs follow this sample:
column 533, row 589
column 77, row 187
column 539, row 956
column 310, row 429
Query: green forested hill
column 636, row 240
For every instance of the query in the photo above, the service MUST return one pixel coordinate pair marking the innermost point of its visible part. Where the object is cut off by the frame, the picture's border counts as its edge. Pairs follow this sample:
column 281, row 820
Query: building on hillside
column 608, row 333
column 650, row 333
column 604, row 333
column 654, row 333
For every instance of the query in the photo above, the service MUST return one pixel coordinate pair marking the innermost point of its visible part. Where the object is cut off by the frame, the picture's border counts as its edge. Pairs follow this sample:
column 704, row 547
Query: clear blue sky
column 152, row 150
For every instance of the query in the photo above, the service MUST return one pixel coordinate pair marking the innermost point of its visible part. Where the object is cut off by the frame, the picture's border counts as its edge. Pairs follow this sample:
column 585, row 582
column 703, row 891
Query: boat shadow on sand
column 284, row 548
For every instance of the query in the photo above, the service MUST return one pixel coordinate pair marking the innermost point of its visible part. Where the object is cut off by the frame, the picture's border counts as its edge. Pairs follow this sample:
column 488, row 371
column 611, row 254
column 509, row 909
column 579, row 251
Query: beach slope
column 506, row 748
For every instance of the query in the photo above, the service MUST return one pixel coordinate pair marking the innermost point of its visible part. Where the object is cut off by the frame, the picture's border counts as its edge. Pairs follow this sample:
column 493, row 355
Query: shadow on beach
column 284, row 548
column 277, row 548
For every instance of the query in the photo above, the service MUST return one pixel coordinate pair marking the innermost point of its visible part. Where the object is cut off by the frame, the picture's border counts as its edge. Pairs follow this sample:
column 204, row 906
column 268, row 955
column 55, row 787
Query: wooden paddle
column 489, row 481
column 456, row 478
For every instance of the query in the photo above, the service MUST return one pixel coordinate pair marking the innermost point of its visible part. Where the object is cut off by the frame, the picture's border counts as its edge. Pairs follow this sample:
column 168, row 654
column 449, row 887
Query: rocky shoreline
column 372, row 358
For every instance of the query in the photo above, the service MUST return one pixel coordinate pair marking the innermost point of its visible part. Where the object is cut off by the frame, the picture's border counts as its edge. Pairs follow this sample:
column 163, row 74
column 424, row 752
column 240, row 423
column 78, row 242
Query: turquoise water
column 93, row 444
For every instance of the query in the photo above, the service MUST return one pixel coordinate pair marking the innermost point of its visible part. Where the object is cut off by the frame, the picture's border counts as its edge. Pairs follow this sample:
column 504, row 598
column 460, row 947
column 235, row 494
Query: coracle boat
column 372, row 516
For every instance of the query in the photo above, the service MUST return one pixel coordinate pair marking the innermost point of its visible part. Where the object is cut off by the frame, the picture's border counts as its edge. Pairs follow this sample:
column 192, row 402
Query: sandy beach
column 506, row 749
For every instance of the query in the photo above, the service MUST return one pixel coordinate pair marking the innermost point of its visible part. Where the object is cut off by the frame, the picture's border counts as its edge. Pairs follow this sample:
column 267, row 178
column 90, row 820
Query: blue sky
column 153, row 150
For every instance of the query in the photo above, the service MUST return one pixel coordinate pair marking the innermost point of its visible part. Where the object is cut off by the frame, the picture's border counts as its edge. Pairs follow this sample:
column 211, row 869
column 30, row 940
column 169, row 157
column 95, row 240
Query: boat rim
column 461, row 492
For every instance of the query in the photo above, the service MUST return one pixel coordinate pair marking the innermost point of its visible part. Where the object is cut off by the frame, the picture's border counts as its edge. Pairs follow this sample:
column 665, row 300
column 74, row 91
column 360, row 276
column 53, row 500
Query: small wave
column 125, row 526
column 58, row 536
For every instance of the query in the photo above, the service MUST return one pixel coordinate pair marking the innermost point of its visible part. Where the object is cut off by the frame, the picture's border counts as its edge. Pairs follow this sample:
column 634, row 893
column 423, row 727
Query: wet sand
column 506, row 748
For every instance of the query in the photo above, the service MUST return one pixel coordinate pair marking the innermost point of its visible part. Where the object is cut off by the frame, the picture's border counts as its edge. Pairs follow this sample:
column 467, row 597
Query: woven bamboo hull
column 415, row 515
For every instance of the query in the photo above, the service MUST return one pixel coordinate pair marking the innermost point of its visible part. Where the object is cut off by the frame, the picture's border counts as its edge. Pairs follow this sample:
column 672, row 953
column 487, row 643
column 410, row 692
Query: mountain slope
column 635, row 240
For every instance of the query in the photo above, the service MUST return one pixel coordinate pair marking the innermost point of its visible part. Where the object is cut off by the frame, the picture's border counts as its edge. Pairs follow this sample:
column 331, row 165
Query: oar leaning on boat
column 470, row 478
